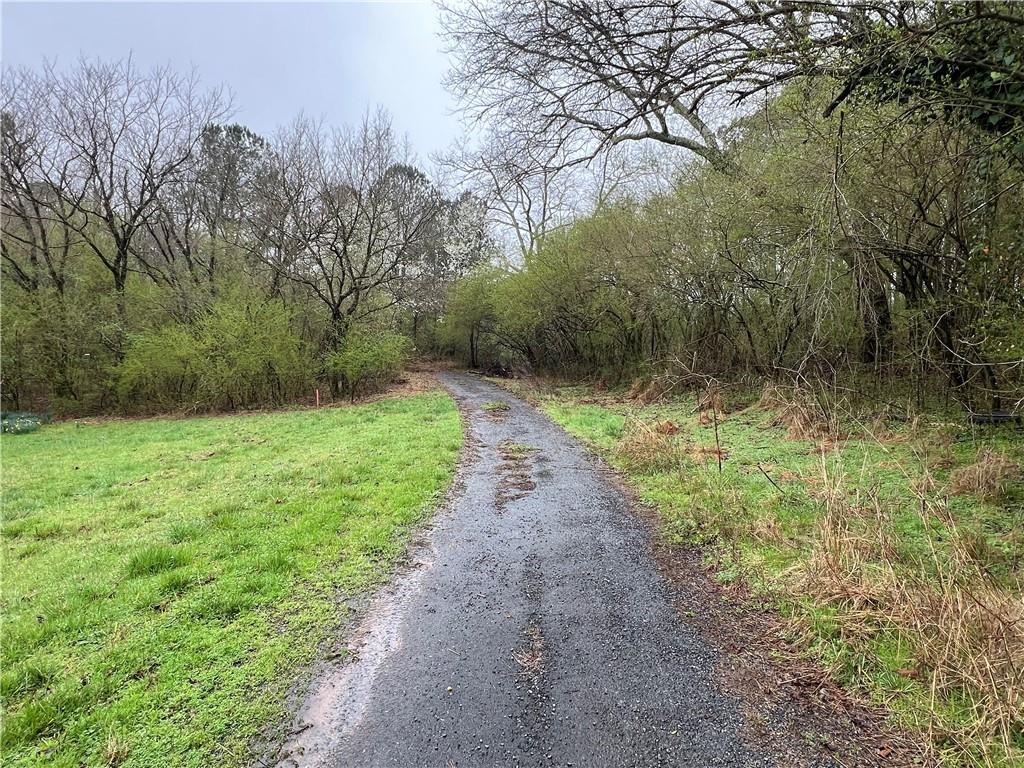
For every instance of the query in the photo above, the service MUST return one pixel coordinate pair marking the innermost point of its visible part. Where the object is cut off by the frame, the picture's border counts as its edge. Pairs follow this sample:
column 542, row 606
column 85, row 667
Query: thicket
column 858, row 218
column 367, row 357
column 241, row 353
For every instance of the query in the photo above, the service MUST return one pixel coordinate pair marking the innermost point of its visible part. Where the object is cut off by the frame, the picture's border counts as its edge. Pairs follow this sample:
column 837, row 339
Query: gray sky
column 330, row 60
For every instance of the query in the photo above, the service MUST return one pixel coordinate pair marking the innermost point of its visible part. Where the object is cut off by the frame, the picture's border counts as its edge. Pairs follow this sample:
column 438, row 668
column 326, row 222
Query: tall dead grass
column 647, row 391
column 796, row 410
column 960, row 629
column 964, row 632
column 711, row 398
column 987, row 477
column 652, row 445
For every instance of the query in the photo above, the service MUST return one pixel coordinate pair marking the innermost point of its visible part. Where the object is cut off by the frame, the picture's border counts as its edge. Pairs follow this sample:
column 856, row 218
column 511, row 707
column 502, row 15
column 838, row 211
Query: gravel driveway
column 536, row 631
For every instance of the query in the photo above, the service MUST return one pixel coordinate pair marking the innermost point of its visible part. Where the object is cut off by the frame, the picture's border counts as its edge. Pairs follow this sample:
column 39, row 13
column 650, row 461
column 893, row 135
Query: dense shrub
column 251, row 355
column 57, row 350
column 367, row 359
column 243, row 353
column 465, row 329
column 786, row 269
column 161, row 368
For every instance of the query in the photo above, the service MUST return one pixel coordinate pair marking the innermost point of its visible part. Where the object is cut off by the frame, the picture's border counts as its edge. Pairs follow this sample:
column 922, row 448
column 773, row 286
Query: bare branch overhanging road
column 540, row 632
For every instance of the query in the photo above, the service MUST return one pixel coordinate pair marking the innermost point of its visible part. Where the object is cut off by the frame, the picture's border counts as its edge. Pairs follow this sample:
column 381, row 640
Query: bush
column 56, row 352
column 251, row 356
column 987, row 477
column 161, row 368
column 368, row 359
column 242, row 354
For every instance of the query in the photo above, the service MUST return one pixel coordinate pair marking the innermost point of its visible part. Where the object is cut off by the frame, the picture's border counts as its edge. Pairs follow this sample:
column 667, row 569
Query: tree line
column 845, row 203
column 785, row 188
column 156, row 255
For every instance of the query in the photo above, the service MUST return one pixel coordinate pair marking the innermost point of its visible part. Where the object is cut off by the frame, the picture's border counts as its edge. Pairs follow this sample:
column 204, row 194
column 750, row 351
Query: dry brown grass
column 703, row 454
column 666, row 427
column 880, row 432
column 638, row 386
column 798, row 412
column 768, row 529
column 987, row 477
column 530, row 658
column 650, row 445
column 115, row 750
column 711, row 399
column 923, row 485
column 773, row 397
column 965, row 633
column 647, row 391
column 659, row 445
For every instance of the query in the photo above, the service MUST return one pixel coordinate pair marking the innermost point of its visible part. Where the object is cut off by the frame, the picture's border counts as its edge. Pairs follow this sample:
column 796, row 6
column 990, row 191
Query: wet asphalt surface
column 541, row 633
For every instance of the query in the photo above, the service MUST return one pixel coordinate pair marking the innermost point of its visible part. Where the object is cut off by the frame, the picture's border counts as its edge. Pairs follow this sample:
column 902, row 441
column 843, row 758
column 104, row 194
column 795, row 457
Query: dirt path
column 536, row 630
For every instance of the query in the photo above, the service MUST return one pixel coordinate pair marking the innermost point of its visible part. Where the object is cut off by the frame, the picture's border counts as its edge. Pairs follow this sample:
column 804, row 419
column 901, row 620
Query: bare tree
column 529, row 195
column 34, row 246
column 115, row 138
column 344, row 215
column 526, row 193
column 578, row 77
column 199, row 211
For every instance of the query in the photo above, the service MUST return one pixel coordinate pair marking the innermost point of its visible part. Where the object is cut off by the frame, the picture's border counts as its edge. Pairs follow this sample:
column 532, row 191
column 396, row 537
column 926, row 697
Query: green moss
column 495, row 406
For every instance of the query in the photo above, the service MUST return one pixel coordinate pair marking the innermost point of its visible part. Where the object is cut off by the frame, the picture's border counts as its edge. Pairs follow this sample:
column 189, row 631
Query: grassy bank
column 894, row 546
column 167, row 581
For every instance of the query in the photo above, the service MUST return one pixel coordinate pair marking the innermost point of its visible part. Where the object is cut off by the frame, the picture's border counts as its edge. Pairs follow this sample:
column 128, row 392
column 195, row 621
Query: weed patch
column 796, row 410
column 895, row 548
column 156, row 558
column 652, row 445
column 987, row 477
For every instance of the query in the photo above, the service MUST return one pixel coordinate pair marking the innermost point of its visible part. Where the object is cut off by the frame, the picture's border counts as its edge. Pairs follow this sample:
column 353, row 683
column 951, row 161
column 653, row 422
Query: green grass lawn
column 908, row 590
column 167, row 582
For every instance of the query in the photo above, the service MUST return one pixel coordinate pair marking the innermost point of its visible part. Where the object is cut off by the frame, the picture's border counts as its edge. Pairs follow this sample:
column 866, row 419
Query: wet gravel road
column 539, row 633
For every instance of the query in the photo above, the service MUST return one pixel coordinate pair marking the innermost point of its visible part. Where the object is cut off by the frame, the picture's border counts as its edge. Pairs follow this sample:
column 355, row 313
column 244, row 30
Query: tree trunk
column 472, row 348
column 876, row 321
column 872, row 284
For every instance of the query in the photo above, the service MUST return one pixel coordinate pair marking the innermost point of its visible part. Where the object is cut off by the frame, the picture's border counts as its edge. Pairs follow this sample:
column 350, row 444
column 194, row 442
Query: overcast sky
column 330, row 60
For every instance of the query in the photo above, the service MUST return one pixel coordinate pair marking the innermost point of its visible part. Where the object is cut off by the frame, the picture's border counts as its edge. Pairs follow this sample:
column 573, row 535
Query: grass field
column 167, row 582
column 896, row 549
